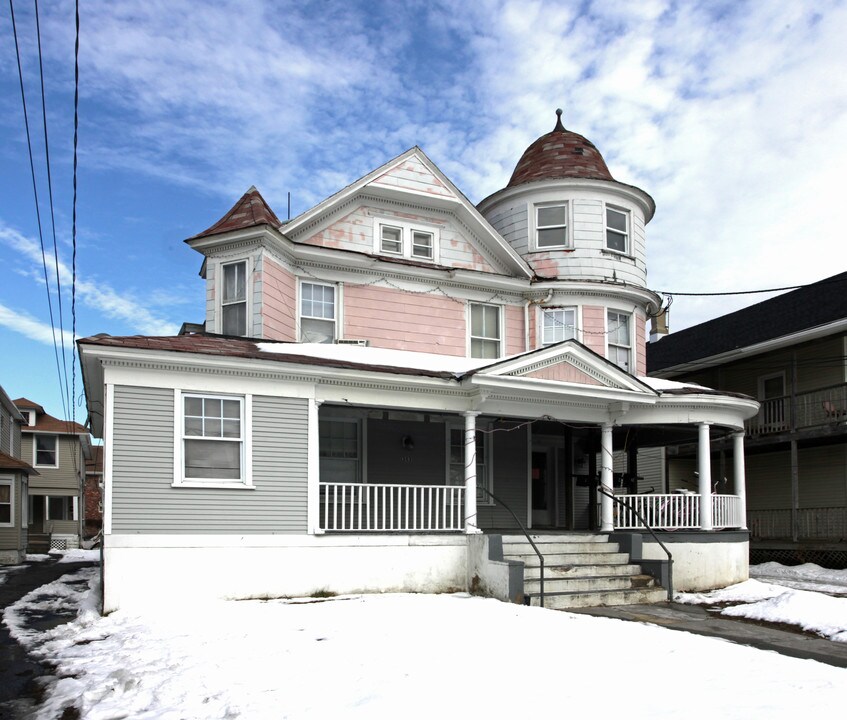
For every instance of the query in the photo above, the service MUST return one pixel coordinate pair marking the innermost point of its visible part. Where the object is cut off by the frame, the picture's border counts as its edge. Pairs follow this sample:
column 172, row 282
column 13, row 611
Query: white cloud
column 34, row 329
column 95, row 294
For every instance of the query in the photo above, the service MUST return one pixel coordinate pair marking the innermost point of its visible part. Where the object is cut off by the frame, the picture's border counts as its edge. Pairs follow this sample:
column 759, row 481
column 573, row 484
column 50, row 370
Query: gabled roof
column 45, row 422
column 250, row 211
column 792, row 316
column 24, row 404
column 7, row 462
column 10, row 406
column 451, row 200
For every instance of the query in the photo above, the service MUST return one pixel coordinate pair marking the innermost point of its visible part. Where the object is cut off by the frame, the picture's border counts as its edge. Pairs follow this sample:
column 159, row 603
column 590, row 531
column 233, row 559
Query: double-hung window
column 456, row 462
column 485, row 332
column 406, row 239
column 234, row 299
column 46, row 451
column 7, row 502
column 422, row 245
column 617, row 230
column 317, row 313
column 551, row 226
column 619, row 343
column 213, row 438
column 391, row 239
column 558, row 324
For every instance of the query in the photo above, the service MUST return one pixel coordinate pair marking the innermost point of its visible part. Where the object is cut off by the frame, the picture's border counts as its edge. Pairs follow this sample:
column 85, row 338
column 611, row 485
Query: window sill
column 619, row 255
column 211, row 485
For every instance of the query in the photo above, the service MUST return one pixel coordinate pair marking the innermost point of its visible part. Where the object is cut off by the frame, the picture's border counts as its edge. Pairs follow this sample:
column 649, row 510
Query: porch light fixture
column 407, row 442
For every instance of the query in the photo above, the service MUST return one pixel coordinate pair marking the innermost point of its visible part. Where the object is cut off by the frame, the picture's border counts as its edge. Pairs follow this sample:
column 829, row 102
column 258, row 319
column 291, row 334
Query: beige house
column 14, row 478
column 57, row 449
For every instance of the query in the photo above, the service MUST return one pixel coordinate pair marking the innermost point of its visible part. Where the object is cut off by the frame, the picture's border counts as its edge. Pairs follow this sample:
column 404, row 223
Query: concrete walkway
column 697, row 619
column 19, row 673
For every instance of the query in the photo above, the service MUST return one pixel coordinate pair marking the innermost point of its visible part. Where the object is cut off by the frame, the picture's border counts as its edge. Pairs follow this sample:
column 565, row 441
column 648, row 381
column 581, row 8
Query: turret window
column 551, row 225
column 559, row 324
column 617, row 230
column 234, row 299
column 619, row 343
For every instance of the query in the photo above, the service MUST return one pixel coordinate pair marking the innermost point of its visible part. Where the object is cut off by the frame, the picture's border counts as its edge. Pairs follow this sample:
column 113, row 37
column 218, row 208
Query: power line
column 839, row 279
column 73, row 225
column 37, row 206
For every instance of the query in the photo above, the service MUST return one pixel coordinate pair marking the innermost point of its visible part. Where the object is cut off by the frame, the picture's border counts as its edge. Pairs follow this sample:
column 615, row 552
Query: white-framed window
column 551, row 225
column 212, row 439
column 485, row 330
column 234, row 298
column 557, row 324
column 340, row 443
column 773, row 399
column 617, row 229
column 318, row 312
column 45, row 450
column 619, row 339
column 406, row 239
column 7, row 502
column 456, row 460
column 29, row 417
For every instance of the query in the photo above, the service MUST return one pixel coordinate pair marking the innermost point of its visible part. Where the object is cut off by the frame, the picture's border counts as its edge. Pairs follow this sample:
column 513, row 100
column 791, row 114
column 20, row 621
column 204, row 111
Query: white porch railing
column 361, row 507
column 676, row 511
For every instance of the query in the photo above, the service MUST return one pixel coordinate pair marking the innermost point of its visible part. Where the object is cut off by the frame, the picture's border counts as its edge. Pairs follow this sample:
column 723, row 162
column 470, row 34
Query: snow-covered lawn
column 410, row 656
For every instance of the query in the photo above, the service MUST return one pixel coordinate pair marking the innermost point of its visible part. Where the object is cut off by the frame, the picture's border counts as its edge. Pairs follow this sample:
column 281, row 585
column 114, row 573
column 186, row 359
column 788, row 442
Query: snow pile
column 803, row 577
column 377, row 657
column 754, row 600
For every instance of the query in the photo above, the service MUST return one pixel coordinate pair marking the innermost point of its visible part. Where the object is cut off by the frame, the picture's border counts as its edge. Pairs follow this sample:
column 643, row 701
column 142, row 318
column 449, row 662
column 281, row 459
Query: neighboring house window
column 773, row 399
column 485, row 330
column 620, row 346
column 617, row 230
column 559, row 324
column 213, row 438
column 405, row 239
column 456, row 464
column 234, row 299
column 317, row 313
column 340, row 450
column 46, row 450
column 7, row 502
column 61, row 507
column 551, row 225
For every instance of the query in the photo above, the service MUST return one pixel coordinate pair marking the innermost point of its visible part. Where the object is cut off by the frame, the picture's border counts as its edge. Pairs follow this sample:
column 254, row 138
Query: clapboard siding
column 823, row 476
column 513, row 224
column 143, row 500
column 66, row 476
column 768, row 479
column 510, row 476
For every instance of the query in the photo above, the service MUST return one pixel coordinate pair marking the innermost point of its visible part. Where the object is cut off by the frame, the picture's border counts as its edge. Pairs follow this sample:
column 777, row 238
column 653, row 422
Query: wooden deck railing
column 361, row 507
column 812, row 524
column 805, row 410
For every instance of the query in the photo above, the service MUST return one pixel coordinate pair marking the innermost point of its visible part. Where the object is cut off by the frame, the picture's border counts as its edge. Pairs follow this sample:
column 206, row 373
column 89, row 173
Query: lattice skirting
column 61, row 543
column 832, row 559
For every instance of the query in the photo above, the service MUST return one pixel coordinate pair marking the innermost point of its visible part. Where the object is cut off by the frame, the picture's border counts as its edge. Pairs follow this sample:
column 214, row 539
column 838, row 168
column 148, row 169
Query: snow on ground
column 410, row 656
column 798, row 599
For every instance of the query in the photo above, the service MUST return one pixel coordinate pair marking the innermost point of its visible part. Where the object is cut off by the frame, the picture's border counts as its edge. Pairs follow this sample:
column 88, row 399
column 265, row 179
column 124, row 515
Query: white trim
column 627, row 251
column 407, row 230
column 35, row 462
column 75, row 509
column 10, row 481
column 532, row 212
column 248, row 290
column 501, row 327
column 108, row 462
column 313, row 469
column 336, row 303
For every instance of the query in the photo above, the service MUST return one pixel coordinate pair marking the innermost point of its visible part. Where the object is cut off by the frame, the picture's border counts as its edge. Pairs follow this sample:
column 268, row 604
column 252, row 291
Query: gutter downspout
column 537, row 303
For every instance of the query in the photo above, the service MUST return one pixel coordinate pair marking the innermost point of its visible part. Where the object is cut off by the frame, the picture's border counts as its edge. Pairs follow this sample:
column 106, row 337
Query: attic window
column 579, row 151
column 406, row 239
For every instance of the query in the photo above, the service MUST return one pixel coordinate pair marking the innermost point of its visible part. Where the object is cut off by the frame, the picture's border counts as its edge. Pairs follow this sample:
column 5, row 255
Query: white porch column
column 739, row 475
column 471, row 525
column 313, row 472
column 704, row 468
column 607, row 523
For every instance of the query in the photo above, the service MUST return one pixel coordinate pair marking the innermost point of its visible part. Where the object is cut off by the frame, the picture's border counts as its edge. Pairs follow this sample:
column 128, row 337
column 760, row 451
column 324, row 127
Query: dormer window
column 405, row 239
column 617, row 230
column 551, row 226
column 234, row 299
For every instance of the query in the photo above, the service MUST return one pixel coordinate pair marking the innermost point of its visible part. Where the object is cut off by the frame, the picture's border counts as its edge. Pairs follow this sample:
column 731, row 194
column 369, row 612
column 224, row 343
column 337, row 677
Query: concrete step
column 565, row 600
column 595, row 583
column 560, row 537
column 532, row 572
column 589, row 558
column 546, row 548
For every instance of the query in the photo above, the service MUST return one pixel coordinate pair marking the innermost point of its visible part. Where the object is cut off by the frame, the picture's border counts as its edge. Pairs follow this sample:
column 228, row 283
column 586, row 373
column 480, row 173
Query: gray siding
column 66, row 477
column 14, row 538
column 510, row 477
column 143, row 500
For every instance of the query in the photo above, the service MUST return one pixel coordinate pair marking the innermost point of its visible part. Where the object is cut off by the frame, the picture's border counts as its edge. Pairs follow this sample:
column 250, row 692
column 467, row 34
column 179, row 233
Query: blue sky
column 733, row 115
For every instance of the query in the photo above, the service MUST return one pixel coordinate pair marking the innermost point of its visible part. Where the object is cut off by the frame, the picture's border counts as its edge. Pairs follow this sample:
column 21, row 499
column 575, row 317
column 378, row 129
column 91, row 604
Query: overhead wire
column 73, row 223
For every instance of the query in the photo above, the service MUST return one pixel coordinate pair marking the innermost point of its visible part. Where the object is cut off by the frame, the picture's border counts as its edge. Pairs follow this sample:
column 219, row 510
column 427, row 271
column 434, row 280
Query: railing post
column 704, row 467
column 739, row 477
column 471, row 524
column 606, row 514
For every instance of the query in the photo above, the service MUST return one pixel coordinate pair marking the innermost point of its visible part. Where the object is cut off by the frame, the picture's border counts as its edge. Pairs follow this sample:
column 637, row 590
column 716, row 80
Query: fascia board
column 554, row 389
column 92, row 383
column 779, row 343
column 6, row 401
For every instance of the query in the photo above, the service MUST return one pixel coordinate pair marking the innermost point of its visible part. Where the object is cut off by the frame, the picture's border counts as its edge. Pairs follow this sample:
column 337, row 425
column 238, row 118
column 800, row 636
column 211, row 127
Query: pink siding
column 404, row 321
column 279, row 306
column 563, row 372
column 352, row 232
column 515, row 333
column 594, row 328
column 534, row 332
column 413, row 175
column 639, row 338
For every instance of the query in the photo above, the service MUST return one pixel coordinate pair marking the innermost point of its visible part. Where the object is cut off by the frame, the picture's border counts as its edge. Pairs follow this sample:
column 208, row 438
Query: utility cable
column 73, row 225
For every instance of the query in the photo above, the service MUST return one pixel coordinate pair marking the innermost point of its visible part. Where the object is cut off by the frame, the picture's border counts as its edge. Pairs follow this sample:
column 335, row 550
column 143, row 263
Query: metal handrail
column 526, row 534
column 611, row 495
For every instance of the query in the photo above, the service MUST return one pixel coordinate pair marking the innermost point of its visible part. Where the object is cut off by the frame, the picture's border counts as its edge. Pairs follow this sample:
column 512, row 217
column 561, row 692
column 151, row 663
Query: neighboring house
column 374, row 371
column 14, row 479
column 57, row 449
column 93, row 493
column 791, row 353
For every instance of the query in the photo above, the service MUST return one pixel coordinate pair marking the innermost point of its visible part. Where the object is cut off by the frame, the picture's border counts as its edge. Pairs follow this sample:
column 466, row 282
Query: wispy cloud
column 95, row 294
column 34, row 329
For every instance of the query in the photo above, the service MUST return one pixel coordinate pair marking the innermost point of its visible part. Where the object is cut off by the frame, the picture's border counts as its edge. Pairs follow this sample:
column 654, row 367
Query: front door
column 543, row 484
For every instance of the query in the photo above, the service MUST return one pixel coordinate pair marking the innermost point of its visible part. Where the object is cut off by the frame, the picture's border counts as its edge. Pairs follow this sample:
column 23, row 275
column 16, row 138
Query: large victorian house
column 387, row 386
